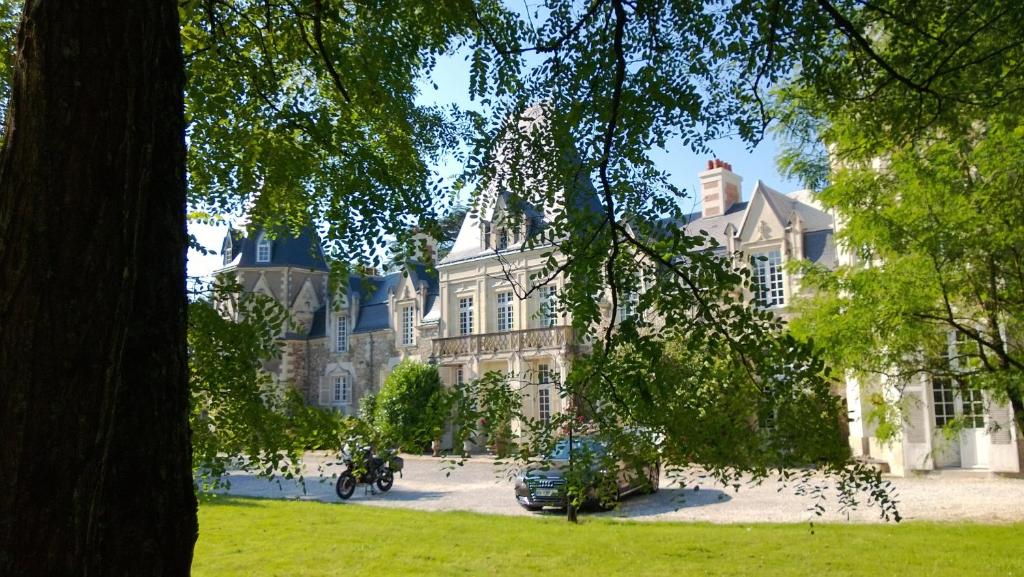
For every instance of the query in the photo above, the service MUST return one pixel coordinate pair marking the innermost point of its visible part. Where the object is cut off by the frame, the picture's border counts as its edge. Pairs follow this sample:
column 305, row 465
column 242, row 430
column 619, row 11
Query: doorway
column 968, row 448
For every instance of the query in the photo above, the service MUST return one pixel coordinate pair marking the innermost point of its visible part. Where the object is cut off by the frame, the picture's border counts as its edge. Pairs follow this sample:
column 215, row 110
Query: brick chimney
column 719, row 188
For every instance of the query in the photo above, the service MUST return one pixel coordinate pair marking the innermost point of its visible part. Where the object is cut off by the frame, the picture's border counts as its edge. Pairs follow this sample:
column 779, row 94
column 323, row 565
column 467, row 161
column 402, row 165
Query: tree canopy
column 307, row 107
column 921, row 170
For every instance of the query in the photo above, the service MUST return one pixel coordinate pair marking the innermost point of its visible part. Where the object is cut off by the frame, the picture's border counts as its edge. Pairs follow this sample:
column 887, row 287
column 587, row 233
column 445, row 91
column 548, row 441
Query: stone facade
column 469, row 317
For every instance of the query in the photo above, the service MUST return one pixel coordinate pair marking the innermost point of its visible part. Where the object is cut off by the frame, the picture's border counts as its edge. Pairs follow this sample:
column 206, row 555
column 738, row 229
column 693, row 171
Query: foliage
column 924, row 179
column 255, row 536
column 239, row 416
column 607, row 81
column 308, row 107
column 412, row 407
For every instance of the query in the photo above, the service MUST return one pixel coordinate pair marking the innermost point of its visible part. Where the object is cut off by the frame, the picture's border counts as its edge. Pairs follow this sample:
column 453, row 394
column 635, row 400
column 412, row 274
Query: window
column 628, row 305
column 485, row 230
column 227, row 250
column 942, row 395
column 544, row 404
column 548, row 307
column 768, row 278
column 263, row 249
column 341, row 335
column 466, row 316
column 502, row 238
column 460, row 375
column 407, row 336
column 505, row 312
column 974, row 409
column 342, row 390
column 543, row 374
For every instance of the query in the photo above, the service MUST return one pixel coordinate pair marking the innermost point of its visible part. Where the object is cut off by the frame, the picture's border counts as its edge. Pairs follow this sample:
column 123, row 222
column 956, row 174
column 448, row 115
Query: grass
column 270, row 537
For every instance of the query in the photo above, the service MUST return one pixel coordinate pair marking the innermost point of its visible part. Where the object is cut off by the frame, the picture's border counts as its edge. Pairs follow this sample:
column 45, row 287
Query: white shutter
column 999, row 424
column 325, row 391
column 916, row 416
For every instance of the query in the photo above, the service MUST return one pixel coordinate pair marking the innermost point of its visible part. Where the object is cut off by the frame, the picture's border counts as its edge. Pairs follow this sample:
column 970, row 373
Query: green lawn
column 287, row 538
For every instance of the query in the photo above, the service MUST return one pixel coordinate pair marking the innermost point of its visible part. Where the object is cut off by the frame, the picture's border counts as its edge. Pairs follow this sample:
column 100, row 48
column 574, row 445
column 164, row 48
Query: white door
column 969, row 448
column 973, row 437
column 945, row 451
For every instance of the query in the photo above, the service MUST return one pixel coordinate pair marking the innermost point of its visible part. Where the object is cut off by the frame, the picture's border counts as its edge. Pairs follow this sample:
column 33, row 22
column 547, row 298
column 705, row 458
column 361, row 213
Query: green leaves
column 240, row 417
column 411, row 409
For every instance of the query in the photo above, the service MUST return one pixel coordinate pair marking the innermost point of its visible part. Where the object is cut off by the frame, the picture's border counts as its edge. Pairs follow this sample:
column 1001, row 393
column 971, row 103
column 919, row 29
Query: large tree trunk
column 95, row 458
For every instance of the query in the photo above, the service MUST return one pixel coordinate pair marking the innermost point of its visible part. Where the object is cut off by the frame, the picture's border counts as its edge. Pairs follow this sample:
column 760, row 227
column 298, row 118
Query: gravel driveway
column 478, row 486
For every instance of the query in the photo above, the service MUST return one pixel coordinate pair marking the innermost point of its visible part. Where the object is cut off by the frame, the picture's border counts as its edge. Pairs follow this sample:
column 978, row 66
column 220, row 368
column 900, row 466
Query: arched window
column 263, row 249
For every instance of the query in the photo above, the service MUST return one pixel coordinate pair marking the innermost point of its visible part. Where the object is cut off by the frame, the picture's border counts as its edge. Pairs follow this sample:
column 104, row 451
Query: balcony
column 506, row 342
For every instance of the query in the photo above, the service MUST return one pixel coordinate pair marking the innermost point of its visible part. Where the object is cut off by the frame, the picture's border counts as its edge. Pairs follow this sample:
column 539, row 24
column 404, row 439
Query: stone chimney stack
column 426, row 247
column 719, row 188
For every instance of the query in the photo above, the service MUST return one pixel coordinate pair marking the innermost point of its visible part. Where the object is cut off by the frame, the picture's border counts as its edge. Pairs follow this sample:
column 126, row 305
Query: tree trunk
column 94, row 432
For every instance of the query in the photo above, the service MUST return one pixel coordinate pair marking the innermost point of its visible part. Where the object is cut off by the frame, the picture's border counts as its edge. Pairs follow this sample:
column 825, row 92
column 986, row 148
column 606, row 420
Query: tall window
column 407, row 336
column 502, row 238
column 342, row 390
column 945, row 407
column 548, row 307
column 768, row 278
column 544, row 404
column 543, row 374
column 460, row 375
column 341, row 335
column 263, row 249
column 628, row 305
column 466, row 316
column 505, row 312
column 974, row 409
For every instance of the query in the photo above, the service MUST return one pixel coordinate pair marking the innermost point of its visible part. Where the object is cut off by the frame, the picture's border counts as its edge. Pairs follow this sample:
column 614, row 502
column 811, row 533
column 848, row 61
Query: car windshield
column 561, row 450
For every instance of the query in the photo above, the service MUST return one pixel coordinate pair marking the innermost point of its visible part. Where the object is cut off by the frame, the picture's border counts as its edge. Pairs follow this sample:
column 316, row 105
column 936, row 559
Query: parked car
column 543, row 484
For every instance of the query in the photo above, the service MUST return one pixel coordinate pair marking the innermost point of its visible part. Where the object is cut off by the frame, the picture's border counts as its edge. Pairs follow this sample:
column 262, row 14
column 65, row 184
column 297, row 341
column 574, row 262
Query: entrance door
column 968, row 449
column 973, row 438
column 946, row 451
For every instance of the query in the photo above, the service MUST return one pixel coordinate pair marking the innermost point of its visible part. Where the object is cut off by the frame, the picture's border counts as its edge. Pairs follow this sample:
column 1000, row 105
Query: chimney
column 719, row 188
column 426, row 247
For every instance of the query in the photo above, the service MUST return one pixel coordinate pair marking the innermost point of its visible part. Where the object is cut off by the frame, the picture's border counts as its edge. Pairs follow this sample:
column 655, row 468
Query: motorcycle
column 369, row 470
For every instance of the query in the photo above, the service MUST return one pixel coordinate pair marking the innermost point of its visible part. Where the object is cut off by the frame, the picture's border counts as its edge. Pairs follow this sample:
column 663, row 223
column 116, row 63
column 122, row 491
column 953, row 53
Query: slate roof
column 302, row 251
column 818, row 236
column 372, row 292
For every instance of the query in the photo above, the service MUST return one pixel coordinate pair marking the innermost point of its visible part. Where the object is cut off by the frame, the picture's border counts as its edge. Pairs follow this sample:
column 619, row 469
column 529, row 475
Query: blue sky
column 451, row 76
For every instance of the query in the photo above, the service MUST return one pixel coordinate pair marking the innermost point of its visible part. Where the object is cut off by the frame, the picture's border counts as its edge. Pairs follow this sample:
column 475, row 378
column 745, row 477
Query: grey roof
column 374, row 313
column 715, row 225
column 820, row 247
column 319, row 327
column 302, row 251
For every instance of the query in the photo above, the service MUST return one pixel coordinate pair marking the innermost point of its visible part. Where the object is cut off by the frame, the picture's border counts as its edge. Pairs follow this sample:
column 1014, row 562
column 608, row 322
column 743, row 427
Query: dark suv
column 544, row 484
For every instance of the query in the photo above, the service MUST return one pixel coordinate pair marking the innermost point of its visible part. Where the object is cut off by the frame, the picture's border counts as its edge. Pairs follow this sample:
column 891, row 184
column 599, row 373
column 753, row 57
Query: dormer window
column 263, row 249
column 485, row 229
column 502, row 238
column 226, row 251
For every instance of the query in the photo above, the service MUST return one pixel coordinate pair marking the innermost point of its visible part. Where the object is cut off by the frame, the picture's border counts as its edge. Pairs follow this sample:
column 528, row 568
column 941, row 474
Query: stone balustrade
column 503, row 342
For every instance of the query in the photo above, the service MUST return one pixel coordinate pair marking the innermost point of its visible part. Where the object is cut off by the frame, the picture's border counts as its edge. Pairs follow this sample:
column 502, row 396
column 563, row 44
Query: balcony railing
column 505, row 342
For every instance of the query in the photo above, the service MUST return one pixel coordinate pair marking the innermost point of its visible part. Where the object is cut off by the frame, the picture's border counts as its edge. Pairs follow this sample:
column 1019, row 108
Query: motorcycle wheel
column 345, row 486
column 385, row 479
